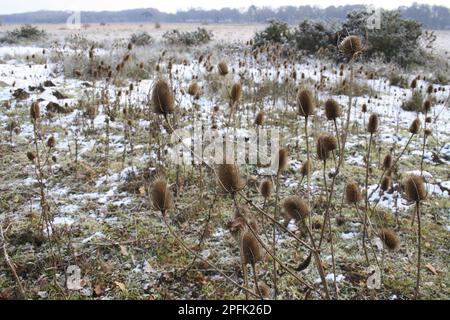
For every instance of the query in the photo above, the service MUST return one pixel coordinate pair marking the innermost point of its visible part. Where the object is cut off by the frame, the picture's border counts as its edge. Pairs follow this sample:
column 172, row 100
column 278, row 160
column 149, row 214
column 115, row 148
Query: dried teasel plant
column 372, row 128
column 162, row 98
column 306, row 105
column 333, row 112
column 415, row 190
column 389, row 238
column 353, row 196
column 161, row 195
column 229, row 178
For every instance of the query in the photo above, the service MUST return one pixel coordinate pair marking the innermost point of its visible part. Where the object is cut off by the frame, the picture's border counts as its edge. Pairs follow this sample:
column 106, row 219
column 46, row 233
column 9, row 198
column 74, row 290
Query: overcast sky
column 15, row 6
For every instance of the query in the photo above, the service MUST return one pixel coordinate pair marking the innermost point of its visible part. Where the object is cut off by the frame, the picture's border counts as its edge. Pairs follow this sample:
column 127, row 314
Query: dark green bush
column 141, row 39
column 197, row 37
column 23, row 34
column 311, row 36
column 398, row 39
column 415, row 103
column 276, row 32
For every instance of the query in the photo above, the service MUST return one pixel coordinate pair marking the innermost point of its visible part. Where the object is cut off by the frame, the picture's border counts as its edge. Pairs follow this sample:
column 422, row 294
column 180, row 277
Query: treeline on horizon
column 431, row 17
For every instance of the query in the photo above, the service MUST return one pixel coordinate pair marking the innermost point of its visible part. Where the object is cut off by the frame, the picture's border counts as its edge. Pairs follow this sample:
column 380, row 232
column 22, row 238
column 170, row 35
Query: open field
column 83, row 140
column 221, row 32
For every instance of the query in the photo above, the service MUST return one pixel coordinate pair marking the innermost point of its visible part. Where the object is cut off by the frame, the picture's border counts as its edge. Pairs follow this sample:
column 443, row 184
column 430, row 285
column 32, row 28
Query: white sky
column 15, row 6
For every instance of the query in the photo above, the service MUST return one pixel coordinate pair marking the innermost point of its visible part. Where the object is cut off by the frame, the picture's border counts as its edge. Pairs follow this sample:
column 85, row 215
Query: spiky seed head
column 31, row 155
column 415, row 188
column 51, row 142
column 236, row 92
column 351, row 45
column 193, row 89
column 325, row 144
column 162, row 98
column 413, row 84
column 321, row 151
column 387, row 162
column 223, row 68
column 259, row 120
column 229, row 178
column 352, row 192
column 427, row 132
column 427, row 106
column 161, row 195
column 283, row 158
column 296, row 208
column 332, row 109
column 415, row 126
column 250, row 248
column 372, row 126
column 306, row 168
column 364, row 108
column 329, row 143
column 389, row 238
column 264, row 290
column 385, row 183
column 306, row 103
column 265, row 188
column 430, row 89
column 35, row 111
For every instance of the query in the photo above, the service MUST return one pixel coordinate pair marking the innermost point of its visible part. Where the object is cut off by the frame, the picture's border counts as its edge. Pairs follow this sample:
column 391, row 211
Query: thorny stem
column 419, row 250
column 364, row 233
column 393, row 165
column 11, row 265
column 186, row 247
column 367, row 171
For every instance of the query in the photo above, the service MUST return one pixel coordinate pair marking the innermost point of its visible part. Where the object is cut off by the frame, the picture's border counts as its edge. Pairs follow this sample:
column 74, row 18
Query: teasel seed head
column 372, row 125
column 251, row 249
column 236, row 92
column 229, row 178
column 264, row 290
column 385, row 183
column 193, row 88
column 387, row 162
column 162, row 98
column 259, row 120
column 296, row 208
column 427, row 106
column 364, row 108
column 352, row 193
column 31, row 156
column 161, row 195
column 427, row 132
column 415, row 126
column 283, row 158
column 35, row 111
column 389, row 238
column 351, row 45
column 413, row 84
column 325, row 144
column 223, row 68
column 265, row 188
column 332, row 109
column 51, row 142
column 306, row 103
column 306, row 168
column 415, row 189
